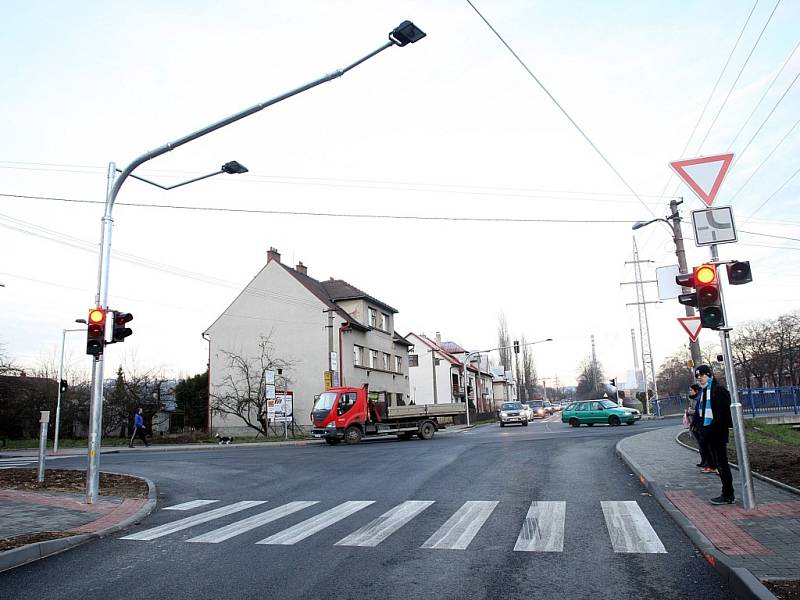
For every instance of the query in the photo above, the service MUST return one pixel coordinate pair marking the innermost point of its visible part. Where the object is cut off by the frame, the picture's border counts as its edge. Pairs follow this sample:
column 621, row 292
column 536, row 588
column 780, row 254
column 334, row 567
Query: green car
column 598, row 411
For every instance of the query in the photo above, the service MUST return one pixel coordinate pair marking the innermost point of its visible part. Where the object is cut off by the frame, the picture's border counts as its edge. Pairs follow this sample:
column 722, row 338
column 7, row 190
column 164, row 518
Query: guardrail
column 756, row 401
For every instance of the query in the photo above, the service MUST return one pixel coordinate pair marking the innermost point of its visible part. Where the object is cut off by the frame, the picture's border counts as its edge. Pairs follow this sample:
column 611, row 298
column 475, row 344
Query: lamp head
column 639, row 225
column 234, row 168
column 406, row 33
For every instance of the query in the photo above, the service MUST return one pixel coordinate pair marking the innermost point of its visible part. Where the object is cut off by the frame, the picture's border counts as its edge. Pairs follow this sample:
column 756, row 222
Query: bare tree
column 242, row 390
column 503, row 341
column 588, row 373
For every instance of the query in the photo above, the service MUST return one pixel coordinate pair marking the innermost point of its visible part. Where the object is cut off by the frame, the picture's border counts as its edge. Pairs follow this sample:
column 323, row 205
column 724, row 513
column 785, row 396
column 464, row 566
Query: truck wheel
column 406, row 435
column 426, row 430
column 331, row 441
column 352, row 435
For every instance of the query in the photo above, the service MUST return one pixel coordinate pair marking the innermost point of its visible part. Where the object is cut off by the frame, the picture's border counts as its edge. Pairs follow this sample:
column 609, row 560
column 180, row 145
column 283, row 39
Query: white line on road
column 190, row 505
column 180, row 524
column 543, row 529
column 309, row 527
column 458, row 531
column 629, row 529
column 378, row 530
column 234, row 529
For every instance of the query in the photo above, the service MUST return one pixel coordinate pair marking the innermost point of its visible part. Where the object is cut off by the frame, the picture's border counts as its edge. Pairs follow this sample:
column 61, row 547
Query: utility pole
column 644, row 327
column 433, row 367
column 594, row 366
column 677, row 236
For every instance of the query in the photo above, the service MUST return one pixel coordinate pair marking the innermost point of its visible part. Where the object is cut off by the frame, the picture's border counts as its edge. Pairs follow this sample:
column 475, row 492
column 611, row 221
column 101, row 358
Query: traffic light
column 709, row 299
column 613, row 382
column 686, row 280
column 739, row 273
column 516, row 347
column 63, row 386
column 120, row 332
column 96, row 331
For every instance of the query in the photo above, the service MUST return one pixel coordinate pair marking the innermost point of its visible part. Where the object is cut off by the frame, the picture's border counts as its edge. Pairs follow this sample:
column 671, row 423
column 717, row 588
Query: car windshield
column 609, row 404
column 325, row 401
column 535, row 404
column 511, row 406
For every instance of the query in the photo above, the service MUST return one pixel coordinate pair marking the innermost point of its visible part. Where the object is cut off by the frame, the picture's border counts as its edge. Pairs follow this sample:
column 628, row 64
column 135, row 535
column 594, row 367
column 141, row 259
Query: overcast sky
column 452, row 126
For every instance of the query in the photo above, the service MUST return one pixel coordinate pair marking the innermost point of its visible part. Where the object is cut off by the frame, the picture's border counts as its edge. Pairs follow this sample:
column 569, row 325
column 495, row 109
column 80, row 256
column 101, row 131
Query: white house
column 313, row 326
column 505, row 389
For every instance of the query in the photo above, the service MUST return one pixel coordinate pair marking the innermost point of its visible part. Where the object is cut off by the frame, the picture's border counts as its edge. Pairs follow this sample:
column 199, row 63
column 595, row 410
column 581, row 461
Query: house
column 505, row 388
column 314, row 332
column 443, row 362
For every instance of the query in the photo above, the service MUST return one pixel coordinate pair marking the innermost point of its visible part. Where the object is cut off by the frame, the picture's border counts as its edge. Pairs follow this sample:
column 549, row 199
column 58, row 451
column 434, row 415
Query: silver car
column 512, row 412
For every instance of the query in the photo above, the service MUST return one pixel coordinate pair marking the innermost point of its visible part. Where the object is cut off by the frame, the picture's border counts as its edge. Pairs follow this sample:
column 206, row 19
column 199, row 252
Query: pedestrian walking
column 138, row 428
column 715, row 410
column 696, row 427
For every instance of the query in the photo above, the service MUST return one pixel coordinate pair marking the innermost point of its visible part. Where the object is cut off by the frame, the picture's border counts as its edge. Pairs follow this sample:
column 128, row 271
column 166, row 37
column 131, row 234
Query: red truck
column 349, row 414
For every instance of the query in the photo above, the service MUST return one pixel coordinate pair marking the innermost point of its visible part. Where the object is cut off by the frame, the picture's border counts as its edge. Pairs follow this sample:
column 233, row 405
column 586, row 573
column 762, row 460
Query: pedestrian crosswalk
column 542, row 528
column 24, row 462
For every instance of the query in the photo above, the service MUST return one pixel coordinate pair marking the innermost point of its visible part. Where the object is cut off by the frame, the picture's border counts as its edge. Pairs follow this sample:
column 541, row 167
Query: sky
column 451, row 127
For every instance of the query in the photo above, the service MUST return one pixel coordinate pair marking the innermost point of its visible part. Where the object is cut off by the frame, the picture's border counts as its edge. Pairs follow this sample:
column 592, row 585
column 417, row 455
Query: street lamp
column 60, row 379
column 468, row 359
column 231, row 168
column 402, row 35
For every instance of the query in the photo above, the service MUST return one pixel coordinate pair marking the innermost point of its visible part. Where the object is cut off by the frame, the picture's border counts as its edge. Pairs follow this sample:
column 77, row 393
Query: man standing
column 715, row 411
column 138, row 428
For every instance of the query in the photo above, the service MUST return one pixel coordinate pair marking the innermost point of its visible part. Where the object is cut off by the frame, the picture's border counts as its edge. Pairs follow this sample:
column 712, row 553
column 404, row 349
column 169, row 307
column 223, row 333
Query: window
column 373, row 317
column 373, row 359
column 398, row 364
column 413, row 360
column 357, row 355
column 387, row 361
column 346, row 402
column 384, row 322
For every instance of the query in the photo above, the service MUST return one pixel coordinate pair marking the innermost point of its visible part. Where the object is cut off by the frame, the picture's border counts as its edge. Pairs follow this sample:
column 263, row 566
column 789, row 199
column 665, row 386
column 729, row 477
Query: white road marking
column 185, row 523
column 375, row 532
column 543, row 529
column 458, row 531
column 190, row 505
column 629, row 529
column 234, row 529
column 309, row 527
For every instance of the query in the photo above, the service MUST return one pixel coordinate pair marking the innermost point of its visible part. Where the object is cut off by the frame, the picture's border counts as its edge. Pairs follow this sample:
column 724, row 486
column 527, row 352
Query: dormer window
column 373, row 317
column 384, row 321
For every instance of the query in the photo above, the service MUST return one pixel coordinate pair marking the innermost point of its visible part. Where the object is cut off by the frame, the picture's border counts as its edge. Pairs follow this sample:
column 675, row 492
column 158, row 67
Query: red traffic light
column 120, row 332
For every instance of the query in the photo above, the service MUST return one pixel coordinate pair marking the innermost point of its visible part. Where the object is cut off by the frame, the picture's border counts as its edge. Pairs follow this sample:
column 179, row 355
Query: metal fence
column 756, row 401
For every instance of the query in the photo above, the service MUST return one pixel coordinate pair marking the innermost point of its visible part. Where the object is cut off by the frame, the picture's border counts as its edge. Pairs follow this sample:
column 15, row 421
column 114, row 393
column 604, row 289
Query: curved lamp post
column 402, row 35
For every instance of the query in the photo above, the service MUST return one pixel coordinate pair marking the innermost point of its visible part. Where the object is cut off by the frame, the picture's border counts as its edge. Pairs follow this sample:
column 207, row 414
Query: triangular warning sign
column 704, row 175
column 692, row 326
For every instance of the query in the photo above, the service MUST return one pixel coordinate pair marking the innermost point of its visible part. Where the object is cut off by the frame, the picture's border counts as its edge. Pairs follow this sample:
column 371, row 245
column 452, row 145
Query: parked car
column 537, row 406
column 512, row 412
column 589, row 412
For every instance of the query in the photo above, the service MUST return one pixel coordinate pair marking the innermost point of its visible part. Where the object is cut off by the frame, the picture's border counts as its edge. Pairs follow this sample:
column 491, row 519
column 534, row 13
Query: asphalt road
column 475, row 514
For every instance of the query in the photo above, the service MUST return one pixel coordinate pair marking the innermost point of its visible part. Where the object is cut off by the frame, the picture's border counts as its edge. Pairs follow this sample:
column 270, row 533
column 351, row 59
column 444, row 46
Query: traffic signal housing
column 96, row 331
column 709, row 298
column 516, row 347
column 739, row 272
column 120, row 331
column 63, row 385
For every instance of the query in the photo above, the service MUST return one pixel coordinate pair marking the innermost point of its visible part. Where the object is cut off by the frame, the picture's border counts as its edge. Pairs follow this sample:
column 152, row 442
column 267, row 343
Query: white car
column 527, row 411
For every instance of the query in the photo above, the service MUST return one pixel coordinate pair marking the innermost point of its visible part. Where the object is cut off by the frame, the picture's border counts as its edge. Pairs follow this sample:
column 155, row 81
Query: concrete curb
column 778, row 484
column 16, row 557
column 742, row 582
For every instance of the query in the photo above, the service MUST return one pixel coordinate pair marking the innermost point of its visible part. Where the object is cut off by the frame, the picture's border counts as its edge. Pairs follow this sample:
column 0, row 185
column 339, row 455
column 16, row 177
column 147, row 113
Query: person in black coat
column 696, row 426
column 715, row 412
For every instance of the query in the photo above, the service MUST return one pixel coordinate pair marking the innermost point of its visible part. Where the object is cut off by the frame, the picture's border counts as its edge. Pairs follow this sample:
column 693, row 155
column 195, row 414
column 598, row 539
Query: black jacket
column 721, row 408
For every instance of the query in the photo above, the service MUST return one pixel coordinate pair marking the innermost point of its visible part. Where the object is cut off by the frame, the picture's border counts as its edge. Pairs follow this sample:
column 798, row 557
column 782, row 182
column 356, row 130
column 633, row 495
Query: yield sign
column 704, row 175
column 692, row 325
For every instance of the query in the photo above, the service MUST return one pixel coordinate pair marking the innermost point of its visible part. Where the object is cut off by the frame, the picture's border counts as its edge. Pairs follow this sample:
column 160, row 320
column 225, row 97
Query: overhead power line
column 561, row 108
column 710, row 96
column 772, row 195
column 296, row 213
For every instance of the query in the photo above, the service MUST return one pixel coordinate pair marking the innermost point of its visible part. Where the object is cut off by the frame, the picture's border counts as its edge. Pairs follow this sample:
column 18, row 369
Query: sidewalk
column 62, row 520
column 744, row 546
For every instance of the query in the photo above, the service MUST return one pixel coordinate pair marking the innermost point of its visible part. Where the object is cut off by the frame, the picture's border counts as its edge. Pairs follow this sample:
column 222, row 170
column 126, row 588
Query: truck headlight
column 331, row 425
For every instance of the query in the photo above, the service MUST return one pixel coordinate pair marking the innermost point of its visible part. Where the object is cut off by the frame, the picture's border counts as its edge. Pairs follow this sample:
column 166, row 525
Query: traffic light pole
column 680, row 252
column 746, row 477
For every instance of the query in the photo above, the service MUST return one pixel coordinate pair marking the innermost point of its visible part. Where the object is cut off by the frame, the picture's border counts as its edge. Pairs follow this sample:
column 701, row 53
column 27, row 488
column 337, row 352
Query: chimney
column 438, row 338
column 273, row 254
column 301, row 268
